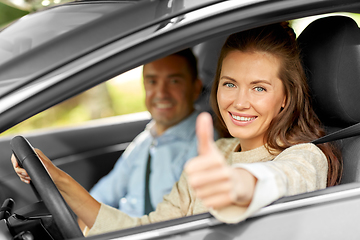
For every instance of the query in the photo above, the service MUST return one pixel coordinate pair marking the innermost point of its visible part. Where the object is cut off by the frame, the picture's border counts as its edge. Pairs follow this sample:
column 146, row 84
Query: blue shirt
column 124, row 186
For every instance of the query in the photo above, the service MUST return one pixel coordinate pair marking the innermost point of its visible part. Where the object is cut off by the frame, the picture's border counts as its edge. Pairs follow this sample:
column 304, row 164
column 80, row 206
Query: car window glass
column 33, row 30
column 121, row 95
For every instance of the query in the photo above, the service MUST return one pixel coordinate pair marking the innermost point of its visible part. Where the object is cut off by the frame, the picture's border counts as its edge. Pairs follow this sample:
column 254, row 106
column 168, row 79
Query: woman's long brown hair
column 297, row 122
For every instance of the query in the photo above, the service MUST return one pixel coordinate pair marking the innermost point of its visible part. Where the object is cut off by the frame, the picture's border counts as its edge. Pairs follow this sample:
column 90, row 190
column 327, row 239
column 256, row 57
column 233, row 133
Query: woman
column 261, row 99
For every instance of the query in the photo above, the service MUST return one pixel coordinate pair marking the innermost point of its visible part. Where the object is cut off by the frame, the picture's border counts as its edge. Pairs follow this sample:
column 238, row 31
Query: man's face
column 170, row 91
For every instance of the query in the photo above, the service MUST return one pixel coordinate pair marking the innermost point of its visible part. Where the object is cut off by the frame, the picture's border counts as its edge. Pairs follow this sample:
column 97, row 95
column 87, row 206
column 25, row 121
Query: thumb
column 204, row 133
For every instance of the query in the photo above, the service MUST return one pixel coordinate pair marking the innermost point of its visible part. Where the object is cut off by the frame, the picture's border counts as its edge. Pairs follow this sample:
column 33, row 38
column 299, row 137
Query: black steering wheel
column 45, row 188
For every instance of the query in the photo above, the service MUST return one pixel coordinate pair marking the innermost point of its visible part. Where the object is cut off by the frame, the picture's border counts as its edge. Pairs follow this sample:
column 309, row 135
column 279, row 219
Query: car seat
column 331, row 56
column 208, row 54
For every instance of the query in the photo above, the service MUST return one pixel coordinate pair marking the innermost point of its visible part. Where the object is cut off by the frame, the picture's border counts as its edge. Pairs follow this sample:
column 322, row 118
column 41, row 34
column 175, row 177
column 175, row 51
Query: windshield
column 35, row 29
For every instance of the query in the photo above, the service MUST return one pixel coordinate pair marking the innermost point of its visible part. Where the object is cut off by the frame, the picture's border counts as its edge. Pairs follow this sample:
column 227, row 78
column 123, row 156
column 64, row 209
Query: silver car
column 52, row 55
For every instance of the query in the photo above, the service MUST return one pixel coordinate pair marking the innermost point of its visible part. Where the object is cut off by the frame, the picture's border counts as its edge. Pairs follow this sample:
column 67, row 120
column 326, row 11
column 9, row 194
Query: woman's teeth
column 245, row 119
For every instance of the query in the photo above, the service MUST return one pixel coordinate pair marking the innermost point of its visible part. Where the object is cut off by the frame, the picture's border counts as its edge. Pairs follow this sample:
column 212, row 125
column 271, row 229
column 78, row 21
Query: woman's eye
column 230, row 85
column 259, row 89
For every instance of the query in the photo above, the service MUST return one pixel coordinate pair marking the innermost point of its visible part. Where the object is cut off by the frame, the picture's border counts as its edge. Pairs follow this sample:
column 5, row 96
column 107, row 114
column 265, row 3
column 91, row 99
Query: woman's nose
column 242, row 100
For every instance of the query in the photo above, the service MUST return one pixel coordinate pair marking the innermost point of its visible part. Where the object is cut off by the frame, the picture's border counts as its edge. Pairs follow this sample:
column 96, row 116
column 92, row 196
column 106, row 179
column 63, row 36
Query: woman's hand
column 214, row 182
column 54, row 172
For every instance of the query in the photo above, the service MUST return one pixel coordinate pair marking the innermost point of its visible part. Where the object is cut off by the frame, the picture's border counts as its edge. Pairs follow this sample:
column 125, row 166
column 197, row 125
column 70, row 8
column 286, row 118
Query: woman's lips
column 242, row 120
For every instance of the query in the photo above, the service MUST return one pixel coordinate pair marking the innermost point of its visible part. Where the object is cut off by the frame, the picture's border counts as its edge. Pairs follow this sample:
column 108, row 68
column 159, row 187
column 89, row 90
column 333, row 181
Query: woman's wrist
column 244, row 187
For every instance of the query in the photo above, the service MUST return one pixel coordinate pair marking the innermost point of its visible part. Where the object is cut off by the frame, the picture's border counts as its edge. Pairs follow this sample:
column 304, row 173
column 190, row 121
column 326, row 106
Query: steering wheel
column 45, row 188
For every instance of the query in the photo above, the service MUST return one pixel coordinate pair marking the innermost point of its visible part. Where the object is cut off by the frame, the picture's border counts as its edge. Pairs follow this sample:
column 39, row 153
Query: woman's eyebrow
column 228, row 78
column 261, row 81
column 253, row 82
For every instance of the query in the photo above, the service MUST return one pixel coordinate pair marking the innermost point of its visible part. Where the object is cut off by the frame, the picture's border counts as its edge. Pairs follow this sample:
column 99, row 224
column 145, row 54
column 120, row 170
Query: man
column 154, row 161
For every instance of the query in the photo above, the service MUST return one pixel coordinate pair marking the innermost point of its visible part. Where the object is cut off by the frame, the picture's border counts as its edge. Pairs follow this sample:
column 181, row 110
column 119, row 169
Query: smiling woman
column 281, row 111
column 261, row 99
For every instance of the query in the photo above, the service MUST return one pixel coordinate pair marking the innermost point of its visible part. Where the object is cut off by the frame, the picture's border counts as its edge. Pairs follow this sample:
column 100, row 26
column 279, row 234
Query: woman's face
column 250, row 94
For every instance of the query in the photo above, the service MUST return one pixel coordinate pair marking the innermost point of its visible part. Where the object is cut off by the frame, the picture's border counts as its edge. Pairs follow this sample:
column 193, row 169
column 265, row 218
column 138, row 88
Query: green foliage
column 129, row 97
column 356, row 17
column 9, row 14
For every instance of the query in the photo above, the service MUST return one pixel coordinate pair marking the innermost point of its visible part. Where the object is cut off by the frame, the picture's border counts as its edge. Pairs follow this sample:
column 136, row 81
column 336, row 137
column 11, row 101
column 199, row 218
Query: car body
column 62, row 51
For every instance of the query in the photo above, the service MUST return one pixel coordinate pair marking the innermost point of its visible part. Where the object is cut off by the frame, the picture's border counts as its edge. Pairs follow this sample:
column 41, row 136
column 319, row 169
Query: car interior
column 331, row 54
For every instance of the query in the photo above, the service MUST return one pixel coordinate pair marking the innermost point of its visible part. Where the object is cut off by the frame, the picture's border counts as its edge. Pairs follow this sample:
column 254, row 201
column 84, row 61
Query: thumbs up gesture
column 214, row 182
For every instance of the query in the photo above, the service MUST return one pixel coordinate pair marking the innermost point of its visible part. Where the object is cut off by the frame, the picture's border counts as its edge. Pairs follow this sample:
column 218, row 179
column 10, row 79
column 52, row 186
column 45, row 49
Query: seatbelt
column 147, row 202
column 351, row 131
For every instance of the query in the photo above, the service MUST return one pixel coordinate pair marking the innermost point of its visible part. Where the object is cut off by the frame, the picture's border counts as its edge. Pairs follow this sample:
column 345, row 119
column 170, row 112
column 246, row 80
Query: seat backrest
column 208, row 54
column 331, row 55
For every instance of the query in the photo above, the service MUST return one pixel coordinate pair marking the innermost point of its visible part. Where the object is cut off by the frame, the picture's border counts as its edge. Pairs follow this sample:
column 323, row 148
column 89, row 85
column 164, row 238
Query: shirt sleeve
column 175, row 205
column 298, row 169
column 112, row 187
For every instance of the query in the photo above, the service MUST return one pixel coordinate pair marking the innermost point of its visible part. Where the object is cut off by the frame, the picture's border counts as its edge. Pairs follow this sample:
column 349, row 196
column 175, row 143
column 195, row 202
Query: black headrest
column 331, row 55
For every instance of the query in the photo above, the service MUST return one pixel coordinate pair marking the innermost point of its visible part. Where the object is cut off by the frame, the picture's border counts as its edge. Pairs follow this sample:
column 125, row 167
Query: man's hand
column 214, row 182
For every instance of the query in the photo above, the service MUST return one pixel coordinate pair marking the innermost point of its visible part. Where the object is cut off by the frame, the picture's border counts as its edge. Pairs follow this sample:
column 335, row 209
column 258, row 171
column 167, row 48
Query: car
column 55, row 54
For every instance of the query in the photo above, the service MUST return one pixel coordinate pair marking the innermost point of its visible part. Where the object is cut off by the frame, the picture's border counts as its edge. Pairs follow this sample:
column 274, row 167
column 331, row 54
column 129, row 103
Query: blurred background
column 14, row 9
